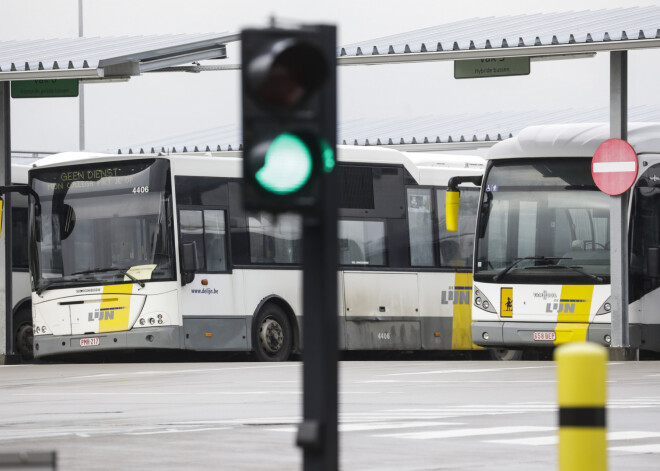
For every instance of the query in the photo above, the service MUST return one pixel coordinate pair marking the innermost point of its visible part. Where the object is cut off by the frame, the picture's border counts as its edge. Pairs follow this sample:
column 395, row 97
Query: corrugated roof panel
column 429, row 129
column 541, row 29
column 67, row 53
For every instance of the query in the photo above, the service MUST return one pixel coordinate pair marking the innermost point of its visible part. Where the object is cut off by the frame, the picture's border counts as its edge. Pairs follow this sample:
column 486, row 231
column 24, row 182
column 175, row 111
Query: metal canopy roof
column 535, row 35
column 422, row 133
column 111, row 57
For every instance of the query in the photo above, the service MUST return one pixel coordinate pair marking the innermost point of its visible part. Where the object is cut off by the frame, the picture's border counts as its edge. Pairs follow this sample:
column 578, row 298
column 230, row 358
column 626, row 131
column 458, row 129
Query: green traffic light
column 287, row 165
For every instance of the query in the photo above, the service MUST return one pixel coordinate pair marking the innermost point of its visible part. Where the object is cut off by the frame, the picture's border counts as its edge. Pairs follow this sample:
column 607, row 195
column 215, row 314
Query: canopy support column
column 620, row 348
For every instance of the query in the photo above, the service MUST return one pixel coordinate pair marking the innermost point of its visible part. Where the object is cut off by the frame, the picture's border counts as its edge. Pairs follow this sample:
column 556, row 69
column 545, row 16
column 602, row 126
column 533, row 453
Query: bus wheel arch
column 275, row 332
column 23, row 330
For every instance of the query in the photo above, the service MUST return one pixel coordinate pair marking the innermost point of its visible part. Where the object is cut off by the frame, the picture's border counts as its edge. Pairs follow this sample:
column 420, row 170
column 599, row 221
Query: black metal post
column 318, row 433
column 5, row 159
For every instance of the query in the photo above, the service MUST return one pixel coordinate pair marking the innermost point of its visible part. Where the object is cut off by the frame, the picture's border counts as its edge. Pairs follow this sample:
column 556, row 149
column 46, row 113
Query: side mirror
column 188, row 262
column 451, row 210
column 653, row 262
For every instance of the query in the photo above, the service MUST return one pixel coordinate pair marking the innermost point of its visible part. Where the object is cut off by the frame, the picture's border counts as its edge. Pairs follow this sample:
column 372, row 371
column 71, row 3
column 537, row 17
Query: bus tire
column 23, row 334
column 273, row 335
column 505, row 354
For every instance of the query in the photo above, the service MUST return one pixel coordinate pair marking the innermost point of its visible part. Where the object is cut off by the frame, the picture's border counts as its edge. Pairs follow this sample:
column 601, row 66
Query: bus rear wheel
column 504, row 354
column 24, row 335
column 273, row 334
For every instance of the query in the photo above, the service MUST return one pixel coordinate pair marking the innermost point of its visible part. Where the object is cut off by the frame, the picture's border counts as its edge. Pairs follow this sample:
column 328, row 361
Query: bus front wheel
column 504, row 354
column 23, row 334
column 273, row 334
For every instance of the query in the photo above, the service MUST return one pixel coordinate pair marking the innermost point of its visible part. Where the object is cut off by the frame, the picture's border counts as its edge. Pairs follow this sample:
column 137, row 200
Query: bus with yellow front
column 542, row 246
column 157, row 252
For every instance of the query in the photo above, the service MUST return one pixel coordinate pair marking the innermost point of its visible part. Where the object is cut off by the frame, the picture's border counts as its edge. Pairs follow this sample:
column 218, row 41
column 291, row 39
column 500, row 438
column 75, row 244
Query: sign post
column 614, row 169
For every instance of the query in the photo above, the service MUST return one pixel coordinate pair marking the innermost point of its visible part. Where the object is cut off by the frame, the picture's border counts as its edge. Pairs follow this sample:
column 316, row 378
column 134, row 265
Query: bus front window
column 543, row 220
column 103, row 225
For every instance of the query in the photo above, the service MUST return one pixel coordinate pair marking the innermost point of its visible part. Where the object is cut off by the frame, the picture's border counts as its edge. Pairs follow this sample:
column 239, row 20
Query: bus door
column 207, row 303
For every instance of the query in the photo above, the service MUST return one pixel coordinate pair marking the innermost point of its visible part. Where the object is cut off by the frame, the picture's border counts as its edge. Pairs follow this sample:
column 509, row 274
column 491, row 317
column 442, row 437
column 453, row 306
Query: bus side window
column 207, row 228
column 275, row 239
column 215, row 236
column 456, row 248
column 192, row 230
column 420, row 227
column 361, row 243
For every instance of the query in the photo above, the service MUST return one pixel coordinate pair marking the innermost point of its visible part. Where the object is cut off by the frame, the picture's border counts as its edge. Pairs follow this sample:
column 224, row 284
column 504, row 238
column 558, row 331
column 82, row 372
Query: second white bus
column 542, row 248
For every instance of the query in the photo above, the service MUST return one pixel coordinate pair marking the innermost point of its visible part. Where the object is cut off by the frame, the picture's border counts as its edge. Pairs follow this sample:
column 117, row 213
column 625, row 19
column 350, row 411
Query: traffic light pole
column 317, row 434
column 289, row 91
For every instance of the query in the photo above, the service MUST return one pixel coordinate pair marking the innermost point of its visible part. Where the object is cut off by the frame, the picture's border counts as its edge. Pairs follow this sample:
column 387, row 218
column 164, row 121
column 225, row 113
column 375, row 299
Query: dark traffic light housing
column 289, row 93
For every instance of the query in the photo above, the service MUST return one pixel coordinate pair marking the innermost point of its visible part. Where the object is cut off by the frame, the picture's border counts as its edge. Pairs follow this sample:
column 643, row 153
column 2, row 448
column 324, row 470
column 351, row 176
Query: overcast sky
column 158, row 105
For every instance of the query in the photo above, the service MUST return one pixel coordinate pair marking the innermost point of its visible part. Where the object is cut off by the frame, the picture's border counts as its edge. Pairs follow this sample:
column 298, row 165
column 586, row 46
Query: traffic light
column 289, row 93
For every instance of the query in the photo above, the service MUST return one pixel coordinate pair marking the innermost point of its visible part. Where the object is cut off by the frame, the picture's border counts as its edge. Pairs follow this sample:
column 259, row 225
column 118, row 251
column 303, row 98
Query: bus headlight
column 152, row 318
column 482, row 302
column 606, row 308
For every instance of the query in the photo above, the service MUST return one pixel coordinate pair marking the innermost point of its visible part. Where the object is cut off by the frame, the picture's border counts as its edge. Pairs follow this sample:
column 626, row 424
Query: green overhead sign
column 49, row 88
column 501, row 67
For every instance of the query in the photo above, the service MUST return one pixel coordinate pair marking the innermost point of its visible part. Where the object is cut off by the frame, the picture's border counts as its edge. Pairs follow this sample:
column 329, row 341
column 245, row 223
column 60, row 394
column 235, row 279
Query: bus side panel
column 213, row 315
column 445, row 306
column 382, row 311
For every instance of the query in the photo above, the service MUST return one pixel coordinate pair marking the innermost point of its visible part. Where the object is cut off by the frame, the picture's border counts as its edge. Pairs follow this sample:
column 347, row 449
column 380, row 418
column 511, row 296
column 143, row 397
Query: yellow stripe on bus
column 461, row 335
column 573, row 313
column 115, row 308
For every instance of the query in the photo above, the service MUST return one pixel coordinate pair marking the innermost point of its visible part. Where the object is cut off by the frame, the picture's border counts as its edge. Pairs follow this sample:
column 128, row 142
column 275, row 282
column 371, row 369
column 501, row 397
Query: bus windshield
column 102, row 224
column 543, row 221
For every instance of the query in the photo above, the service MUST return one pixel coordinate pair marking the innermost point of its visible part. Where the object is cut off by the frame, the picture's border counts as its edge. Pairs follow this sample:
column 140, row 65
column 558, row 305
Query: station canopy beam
column 109, row 58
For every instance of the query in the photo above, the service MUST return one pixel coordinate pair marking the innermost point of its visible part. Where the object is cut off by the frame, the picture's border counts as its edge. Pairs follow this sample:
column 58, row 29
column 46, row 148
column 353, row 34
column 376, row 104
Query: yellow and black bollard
column 581, row 373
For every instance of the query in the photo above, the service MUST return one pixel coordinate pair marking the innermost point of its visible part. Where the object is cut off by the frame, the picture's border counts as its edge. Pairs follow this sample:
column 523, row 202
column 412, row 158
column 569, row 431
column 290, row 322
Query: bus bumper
column 144, row 338
column 521, row 334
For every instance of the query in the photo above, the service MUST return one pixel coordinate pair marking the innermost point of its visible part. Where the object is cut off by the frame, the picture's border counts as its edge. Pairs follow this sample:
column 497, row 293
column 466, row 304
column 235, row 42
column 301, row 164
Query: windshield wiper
column 512, row 265
column 577, row 269
column 123, row 271
column 58, row 281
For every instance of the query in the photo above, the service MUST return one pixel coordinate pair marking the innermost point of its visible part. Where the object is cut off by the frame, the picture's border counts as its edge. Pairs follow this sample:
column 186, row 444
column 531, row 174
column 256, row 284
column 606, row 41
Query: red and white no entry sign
column 614, row 166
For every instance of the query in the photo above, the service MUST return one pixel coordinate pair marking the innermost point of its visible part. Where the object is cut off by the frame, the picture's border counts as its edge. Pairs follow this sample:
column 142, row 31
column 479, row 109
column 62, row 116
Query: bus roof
column 425, row 168
column 573, row 140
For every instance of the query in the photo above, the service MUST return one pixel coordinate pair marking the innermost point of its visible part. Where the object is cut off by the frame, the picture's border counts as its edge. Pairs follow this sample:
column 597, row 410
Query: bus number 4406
column 384, row 336
column 140, row 189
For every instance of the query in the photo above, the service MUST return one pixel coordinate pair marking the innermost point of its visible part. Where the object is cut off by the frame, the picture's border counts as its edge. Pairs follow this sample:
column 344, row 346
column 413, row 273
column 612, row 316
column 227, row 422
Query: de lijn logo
column 457, row 295
column 566, row 306
column 104, row 314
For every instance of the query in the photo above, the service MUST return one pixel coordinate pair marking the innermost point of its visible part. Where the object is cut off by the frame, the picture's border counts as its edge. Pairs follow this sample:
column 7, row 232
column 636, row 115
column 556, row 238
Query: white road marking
column 444, row 381
column 362, row 427
column 187, row 371
column 175, row 430
column 467, row 432
column 554, row 439
column 652, row 448
column 476, row 370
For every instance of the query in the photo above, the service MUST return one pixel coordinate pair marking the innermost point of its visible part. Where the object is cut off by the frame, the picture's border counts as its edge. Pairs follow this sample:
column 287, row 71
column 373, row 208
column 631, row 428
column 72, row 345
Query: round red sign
column 614, row 166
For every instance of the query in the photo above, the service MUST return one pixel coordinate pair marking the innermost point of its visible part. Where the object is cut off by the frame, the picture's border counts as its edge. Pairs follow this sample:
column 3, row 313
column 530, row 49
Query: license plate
column 544, row 336
column 90, row 342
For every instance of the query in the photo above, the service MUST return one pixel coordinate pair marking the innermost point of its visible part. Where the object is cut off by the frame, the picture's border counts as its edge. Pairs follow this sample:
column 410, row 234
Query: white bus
column 21, row 293
column 542, row 251
column 113, row 236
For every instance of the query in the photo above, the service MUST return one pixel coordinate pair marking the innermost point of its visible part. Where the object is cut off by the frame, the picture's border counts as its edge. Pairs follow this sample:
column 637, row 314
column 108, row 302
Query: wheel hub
column 271, row 335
